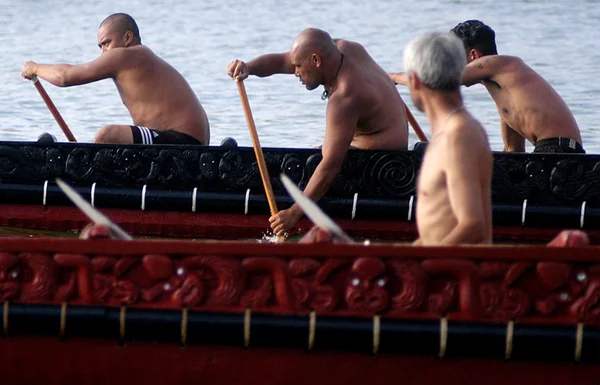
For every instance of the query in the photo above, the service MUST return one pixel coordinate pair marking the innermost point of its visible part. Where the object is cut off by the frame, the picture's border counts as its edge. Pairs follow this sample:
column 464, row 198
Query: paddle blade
column 95, row 216
column 313, row 212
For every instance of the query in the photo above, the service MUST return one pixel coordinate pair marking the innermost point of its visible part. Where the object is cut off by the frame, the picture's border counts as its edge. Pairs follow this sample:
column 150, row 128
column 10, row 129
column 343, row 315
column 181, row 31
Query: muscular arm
column 513, row 141
column 65, row 75
column 262, row 66
column 270, row 64
column 485, row 67
column 399, row 78
column 465, row 193
column 341, row 123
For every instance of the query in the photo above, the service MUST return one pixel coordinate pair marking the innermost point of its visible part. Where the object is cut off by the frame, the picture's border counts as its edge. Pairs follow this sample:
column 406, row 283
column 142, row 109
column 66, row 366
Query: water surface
column 557, row 38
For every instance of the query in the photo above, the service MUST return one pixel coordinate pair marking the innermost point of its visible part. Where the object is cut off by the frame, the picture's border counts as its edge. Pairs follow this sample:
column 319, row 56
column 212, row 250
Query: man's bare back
column 162, row 104
column 526, row 102
column 382, row 120
column 454, row 185
column 157, row 96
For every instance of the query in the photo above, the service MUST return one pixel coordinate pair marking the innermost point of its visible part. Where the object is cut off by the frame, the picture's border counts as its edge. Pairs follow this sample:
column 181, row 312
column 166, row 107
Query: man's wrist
column 297, row 211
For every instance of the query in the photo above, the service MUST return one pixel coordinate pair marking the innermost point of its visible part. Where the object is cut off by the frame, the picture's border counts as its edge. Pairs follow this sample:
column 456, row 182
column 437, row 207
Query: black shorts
column 558, row 146
column 145, row 135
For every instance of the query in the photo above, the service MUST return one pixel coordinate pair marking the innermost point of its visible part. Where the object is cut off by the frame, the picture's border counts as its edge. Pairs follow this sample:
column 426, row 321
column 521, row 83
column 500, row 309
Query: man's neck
column 332, row 75
column 439, row 106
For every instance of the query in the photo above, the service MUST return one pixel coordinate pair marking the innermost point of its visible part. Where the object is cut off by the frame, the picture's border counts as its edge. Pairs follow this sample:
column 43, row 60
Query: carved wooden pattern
column 540, row 178
column 394, row 287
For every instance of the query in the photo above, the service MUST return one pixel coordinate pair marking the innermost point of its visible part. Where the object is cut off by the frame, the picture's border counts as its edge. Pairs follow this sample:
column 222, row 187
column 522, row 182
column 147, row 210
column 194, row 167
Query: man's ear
column 128, row 38
column 474, row 54
column 413, row 81
column 316, row 60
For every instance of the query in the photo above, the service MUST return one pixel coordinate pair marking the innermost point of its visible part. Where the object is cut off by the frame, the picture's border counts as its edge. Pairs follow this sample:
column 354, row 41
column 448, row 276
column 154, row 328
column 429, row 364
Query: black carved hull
column 531, row 190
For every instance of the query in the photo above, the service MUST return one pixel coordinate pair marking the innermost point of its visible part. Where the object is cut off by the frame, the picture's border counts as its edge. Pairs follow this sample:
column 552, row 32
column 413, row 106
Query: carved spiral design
column 391, row 174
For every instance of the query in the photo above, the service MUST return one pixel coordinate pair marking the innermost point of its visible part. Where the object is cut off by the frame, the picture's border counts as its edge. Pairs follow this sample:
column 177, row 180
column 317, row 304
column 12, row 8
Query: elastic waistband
column 564, row 142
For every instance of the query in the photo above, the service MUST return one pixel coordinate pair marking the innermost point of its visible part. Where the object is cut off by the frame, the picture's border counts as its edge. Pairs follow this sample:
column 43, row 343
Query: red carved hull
column 88, row 311
column 233, row 226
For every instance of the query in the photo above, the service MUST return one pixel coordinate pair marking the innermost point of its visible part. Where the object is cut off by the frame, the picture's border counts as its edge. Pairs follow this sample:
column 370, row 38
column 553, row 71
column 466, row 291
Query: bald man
column 161, row 103
column 364, row 110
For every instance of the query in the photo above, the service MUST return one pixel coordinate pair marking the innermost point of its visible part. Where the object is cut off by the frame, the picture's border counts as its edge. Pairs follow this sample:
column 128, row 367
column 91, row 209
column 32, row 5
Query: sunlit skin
column 454, row 186
column 155, row 94
column 364, row 109
column 528, row 105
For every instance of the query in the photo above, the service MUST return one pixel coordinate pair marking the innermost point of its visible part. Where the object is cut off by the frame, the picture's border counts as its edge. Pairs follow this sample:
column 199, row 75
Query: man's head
column 478, row 38
column 311, row 56
column 118, row 30
column 433, row 61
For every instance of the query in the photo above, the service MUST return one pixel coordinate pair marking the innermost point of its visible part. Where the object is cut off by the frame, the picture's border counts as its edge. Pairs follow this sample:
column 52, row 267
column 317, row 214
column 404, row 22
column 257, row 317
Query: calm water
column 558, row 38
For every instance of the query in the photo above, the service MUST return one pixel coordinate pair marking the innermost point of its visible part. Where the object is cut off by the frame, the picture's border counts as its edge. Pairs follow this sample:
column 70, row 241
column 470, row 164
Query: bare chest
column 432, row 177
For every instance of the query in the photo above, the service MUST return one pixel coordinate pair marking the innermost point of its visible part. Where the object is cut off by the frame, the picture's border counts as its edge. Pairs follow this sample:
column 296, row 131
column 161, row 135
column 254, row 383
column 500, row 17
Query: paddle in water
column 95, row 216
column 313, row 212
column 260, row 157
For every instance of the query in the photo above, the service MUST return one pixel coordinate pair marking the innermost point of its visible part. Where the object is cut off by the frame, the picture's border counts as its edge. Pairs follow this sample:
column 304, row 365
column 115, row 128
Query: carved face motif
column 10, row 277
column 209, row 166
column 367, row 286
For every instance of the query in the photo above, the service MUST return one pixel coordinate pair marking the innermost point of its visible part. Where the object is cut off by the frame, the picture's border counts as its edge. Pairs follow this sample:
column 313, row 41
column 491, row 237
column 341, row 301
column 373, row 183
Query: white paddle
column 96, row 216
column 313, row 212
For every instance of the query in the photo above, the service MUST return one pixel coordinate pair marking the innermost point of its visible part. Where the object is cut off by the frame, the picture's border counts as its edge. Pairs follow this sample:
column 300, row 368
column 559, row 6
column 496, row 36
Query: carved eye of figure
column 564, row 296
column 180, row 271
column 381, row 282
column 14, row 274
column 167, row 287
column 355, row 282
column 581, row 277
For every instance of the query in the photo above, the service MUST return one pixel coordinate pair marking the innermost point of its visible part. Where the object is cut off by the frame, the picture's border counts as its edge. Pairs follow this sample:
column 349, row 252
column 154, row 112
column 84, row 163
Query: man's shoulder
column 345, row 44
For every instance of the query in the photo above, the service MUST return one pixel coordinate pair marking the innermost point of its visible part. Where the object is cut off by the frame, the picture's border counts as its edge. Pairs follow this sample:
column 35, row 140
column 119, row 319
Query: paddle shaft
column 53, row 109
column 260, row 158
column 415, row 125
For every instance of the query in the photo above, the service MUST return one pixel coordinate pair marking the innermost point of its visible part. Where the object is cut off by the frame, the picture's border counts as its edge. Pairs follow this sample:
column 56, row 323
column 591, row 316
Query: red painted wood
column 233, row 226
column 44, row 360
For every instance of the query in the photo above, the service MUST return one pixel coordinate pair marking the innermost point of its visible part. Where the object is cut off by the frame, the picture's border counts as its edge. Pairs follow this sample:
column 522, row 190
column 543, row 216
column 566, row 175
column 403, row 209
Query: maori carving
column 499, row 298
column 540, row 178
column 367, row 287
column 390, row 174
column 515, row 179
column 108, row 283
column 195, row 280
column 493, row 290
column 311, row 293
column 570, row 181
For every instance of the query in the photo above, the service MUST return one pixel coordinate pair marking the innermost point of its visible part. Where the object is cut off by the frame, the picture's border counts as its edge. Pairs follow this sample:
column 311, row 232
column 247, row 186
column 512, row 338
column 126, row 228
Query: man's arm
column 262, row 66
column 485, row 67
column 340, row 126
column 65, row 75
column 399, row 78
column 513, row 141
column 341, row 123
column 464, row 192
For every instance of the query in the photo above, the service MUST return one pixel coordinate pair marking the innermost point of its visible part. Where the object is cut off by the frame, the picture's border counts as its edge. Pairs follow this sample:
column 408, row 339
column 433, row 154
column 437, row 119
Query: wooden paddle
column 53, row 109
column 260, row 157
column 415, row 125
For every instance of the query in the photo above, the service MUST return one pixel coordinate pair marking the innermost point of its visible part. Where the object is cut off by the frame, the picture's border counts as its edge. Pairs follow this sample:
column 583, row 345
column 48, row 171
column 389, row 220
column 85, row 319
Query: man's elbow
column 473, row 231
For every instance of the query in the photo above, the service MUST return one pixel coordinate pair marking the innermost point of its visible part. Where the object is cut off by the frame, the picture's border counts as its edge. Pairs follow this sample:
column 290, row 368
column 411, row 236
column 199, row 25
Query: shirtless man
column 454, row 187
column 364, row 111
column 529, row 107
column 162, row 104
